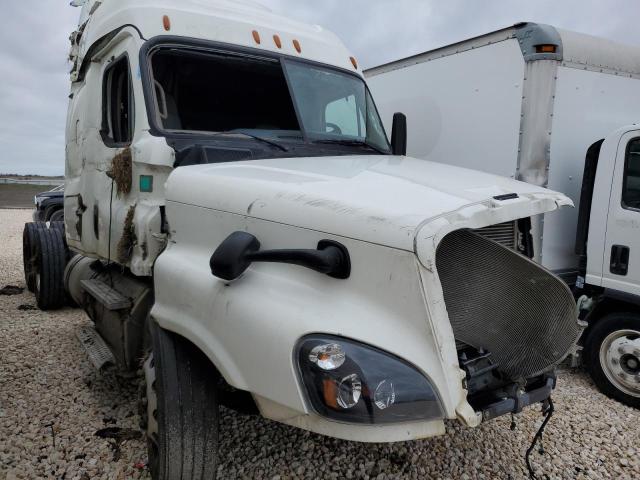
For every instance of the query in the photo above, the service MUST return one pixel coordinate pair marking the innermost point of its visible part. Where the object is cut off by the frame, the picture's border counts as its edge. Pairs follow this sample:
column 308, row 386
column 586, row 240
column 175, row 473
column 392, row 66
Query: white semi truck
column 555, row 109
column 237, row 224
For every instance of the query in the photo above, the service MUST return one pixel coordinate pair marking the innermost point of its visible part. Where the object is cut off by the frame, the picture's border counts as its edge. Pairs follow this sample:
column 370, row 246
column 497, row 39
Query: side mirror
column 236, row 253
column 399, row 134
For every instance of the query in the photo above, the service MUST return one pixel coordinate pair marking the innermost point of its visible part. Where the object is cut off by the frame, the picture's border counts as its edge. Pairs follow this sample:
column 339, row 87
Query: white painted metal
column 452, row 113
column 223, row 21
column 623, row 227
column 588, row 106
column 392, row 300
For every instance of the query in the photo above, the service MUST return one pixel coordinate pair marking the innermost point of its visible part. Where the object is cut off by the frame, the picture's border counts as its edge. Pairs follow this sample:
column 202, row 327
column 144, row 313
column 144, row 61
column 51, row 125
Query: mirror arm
column 240, row 249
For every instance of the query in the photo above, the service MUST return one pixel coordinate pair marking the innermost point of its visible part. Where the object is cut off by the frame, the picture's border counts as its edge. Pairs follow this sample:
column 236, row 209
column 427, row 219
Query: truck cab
column 607, row 242
column 238, row 224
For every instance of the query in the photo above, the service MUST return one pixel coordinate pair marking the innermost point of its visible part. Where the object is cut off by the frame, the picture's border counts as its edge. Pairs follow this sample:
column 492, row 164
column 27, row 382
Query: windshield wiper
column 256, row 137
column 358, row 143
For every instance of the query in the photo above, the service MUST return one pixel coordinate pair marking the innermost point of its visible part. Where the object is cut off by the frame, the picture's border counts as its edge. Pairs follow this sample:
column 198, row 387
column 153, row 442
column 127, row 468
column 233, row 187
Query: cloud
column 34, row 46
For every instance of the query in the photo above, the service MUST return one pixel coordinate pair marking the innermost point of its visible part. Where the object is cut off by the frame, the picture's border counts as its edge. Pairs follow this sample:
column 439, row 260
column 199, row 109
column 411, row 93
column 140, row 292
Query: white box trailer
column 555, row 109
column 526, row 102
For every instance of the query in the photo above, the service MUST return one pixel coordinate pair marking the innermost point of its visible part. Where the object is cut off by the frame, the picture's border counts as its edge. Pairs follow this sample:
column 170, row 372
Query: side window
column 117, row 104
column 343, row 113
column 631, row 185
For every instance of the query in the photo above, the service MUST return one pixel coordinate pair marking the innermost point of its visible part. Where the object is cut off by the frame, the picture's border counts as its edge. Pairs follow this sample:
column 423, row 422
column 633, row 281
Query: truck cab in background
column 608, row 243
column 530, row 102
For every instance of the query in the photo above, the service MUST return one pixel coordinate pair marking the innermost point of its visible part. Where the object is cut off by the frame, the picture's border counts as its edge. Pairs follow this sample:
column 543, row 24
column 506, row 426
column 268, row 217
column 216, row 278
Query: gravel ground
column 52, row 402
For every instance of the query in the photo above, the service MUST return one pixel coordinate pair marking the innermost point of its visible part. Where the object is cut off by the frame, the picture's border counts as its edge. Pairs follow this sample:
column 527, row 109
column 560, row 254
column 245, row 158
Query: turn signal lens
column 354, row 62
column 277, row 41
column 296, row 45
column 328, row 357
column 166, row 22
column 256, row 36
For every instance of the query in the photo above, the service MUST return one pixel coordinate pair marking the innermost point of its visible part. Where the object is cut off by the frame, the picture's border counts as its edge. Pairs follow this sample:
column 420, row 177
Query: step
column 96, row 348
column 106, row 295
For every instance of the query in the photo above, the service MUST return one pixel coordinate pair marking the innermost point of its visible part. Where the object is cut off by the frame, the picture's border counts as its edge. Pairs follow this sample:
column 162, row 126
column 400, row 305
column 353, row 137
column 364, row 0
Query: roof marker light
column 296, row 45
column 546, row 48
column 277, row 41
column 166, row 22
column 256, row 36
column 354, row 62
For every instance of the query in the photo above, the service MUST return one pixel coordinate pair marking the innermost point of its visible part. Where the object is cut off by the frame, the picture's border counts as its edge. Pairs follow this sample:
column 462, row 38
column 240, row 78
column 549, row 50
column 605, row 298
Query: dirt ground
column 53, row 403
column 13, row 195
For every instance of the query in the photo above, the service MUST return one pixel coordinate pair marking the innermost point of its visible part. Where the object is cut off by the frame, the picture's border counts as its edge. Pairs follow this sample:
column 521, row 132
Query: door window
column 631, row 185
column 117, row 104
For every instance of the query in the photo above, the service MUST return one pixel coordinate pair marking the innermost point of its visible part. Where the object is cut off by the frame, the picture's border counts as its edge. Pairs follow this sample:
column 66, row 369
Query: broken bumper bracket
column 520, row 399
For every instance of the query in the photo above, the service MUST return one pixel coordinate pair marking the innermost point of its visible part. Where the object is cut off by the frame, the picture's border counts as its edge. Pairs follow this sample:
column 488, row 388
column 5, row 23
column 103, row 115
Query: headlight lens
column 352, row 382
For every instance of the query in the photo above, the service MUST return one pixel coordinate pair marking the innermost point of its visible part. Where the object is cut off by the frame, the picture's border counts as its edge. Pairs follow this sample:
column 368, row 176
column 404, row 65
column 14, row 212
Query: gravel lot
column 52, row 402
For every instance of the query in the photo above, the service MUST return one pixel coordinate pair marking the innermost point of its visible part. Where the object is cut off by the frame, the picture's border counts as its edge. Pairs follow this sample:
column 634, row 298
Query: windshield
column 334, row 105
column 204, row 91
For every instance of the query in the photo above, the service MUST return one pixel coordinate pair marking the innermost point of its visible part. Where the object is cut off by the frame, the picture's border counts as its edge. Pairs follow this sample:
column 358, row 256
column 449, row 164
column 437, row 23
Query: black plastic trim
column 586, row 198
column 624, row 177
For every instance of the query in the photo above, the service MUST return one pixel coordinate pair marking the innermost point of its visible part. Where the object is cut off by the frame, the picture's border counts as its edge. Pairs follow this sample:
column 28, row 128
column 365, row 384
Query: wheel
column 50, row 211
column 29, row 252
column 57, row 216
column 49, row 269
column 613, row 356
column 181, row 410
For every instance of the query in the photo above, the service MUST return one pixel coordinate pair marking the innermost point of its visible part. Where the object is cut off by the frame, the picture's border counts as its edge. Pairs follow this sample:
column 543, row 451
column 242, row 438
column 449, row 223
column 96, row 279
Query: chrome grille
column 503, row 302
column 503, row 233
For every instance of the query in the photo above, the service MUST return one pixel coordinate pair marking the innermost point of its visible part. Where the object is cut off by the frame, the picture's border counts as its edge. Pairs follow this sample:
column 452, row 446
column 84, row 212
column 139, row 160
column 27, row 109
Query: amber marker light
column 256, row 36
column 166, row 22
column 296, row 45
column 277, row 41
column 546, row 48
column 354, row 62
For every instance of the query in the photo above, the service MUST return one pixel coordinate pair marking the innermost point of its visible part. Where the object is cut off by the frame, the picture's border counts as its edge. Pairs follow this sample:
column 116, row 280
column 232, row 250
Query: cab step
column 96, row 348
column 106, row 295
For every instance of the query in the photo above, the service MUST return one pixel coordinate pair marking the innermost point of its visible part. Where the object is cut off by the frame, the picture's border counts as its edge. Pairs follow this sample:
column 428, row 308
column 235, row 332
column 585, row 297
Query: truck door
column 621, row 268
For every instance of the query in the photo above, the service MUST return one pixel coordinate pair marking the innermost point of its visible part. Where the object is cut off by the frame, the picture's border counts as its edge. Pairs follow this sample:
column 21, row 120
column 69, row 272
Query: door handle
column 619, row 264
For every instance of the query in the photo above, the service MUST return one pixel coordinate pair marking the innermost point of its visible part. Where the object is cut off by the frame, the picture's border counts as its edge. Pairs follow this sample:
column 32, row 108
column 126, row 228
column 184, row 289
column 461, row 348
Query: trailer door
column 621, row 269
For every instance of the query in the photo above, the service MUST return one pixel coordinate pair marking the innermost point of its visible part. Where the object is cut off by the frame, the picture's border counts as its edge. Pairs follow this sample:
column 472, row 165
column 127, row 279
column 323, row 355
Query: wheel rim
column 620, row 360
column 152, row 410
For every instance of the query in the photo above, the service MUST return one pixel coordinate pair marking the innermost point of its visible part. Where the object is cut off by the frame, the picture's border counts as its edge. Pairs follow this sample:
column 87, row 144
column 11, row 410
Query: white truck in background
column 237, row 222
column 555, row 109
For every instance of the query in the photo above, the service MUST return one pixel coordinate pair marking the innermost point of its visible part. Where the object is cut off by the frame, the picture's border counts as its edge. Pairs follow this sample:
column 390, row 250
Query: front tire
column 50, row 260
column 181, row 409
column 613, row 356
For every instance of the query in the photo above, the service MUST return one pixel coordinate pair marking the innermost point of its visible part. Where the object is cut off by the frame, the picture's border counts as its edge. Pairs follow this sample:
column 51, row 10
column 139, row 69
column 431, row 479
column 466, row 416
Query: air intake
column 503, row 302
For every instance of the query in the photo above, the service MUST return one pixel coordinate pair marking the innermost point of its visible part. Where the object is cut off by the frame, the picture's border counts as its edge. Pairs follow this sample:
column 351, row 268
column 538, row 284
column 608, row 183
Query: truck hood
column 380, row 199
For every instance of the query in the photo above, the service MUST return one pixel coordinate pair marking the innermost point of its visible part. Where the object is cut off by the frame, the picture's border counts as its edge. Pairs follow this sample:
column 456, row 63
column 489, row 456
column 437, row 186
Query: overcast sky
column 34, row 47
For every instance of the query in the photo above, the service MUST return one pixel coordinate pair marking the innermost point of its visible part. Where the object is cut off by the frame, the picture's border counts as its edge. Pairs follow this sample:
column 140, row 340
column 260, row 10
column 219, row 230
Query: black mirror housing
column 230, row 259
column 399, row 134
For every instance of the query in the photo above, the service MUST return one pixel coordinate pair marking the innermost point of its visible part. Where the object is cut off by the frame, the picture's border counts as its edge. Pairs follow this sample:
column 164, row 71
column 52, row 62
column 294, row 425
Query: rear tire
column 181, row 408
column 29, row 252
column 612, row 352
column 49, row 271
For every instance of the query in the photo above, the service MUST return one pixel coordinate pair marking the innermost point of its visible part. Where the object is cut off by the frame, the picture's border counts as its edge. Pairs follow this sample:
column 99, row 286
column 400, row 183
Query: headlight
column 357, row 383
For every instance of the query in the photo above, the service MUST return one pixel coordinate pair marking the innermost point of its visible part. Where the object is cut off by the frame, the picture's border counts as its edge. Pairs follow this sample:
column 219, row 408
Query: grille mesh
column 503, row 302
column 503, row 233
